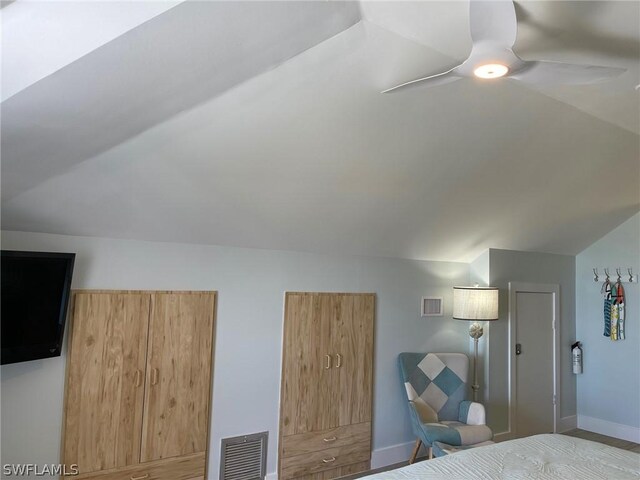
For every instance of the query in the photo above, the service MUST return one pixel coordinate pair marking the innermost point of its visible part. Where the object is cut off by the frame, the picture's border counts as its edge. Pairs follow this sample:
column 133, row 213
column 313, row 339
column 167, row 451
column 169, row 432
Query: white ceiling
column 39, row 38
column 260, row 125
column 186, row 56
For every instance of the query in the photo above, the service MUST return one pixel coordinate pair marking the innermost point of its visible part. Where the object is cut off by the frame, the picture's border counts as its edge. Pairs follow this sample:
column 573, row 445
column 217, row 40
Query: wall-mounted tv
column 35, row 289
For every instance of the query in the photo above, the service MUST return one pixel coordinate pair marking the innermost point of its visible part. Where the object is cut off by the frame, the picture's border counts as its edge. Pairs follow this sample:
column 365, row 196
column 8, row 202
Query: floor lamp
column 475, row 304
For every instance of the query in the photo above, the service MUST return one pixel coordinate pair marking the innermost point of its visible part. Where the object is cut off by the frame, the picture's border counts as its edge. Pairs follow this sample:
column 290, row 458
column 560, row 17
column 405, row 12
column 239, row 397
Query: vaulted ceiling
column 260, row 124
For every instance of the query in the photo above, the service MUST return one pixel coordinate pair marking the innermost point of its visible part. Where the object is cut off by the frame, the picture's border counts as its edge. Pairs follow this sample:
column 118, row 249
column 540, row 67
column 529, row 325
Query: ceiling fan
column 493, row 31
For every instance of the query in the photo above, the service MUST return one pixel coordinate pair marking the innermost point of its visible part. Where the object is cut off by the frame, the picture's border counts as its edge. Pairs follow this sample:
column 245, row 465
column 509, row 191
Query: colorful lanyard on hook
column 606, row 289
column 619, row 305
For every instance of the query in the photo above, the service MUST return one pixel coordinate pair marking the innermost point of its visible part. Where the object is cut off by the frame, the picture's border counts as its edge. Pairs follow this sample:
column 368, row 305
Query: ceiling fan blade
column 430, row 81
column 557, row 73
column 493, row 21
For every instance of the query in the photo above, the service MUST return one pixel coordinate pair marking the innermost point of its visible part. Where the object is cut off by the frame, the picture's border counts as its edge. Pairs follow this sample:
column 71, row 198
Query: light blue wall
column 609, row 388
column 513, row 266
column 251, row 284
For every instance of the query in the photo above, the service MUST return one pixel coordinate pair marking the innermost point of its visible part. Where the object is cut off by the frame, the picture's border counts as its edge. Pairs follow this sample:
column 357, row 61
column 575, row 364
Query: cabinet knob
column 328, row 365
column 141, row 477
column 138, row 378
column 339, row 362
column 328, row 460
column 154, row 376
column 330, row 439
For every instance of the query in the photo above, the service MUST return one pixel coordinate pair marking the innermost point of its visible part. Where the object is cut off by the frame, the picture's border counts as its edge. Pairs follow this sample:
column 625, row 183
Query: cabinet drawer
column 178, row 468
column 329, row 458
column 302, row 443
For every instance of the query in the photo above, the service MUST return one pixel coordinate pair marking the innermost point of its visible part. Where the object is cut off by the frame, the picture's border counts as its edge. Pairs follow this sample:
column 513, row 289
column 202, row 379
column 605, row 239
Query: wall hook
column 606, row 272
column 618, row 273
column 595, row 274
column 630, row 275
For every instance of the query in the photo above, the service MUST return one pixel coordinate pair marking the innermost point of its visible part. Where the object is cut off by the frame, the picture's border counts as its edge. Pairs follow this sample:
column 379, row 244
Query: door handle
column 330, row 439
column 328, row 460
column 328, row 365
column 339, row 361
column 154, row 376
column 138, row 378
column 140, row 477
column 518, row 348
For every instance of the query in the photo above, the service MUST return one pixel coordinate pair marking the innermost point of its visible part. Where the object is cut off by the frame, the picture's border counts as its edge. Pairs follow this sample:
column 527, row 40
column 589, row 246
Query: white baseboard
column 567, row 423
column 391, row 455
column 611, row 429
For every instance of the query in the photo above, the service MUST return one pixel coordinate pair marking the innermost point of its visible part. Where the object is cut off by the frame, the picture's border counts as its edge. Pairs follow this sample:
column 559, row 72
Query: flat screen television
column 35, row 289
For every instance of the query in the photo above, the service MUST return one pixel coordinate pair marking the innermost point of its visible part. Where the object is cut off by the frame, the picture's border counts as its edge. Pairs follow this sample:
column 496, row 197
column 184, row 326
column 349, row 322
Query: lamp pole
column 475, row 332
column 476, row 304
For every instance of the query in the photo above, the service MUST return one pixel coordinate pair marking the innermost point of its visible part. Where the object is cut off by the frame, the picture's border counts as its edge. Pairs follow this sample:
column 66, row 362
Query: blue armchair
column 436, row 386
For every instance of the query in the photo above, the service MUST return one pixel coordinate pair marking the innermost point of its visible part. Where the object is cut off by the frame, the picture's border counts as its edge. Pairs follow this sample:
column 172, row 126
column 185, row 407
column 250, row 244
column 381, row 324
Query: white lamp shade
column 475, row 303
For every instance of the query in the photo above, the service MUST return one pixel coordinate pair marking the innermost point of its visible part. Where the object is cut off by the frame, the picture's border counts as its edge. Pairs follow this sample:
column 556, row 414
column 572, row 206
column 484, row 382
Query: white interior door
column 534, row 345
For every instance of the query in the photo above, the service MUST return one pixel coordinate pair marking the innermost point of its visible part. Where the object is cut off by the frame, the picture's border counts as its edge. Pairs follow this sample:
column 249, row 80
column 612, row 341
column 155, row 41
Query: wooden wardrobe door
column 352, row 340
column 306, row 404
column 178, row 386
column 105, row 374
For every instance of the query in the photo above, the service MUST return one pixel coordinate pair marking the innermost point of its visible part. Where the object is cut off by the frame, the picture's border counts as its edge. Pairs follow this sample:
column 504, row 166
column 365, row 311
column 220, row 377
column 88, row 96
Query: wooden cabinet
column 186, row 467
column 105, row 391
column 176, row 407
column 138, row 384
column 325, row 409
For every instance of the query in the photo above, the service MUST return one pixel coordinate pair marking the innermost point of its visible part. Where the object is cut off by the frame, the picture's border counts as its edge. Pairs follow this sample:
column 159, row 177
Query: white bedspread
column 541, row 457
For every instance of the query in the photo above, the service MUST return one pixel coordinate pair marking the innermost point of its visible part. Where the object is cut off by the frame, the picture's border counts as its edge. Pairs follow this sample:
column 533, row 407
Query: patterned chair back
column 436, row 383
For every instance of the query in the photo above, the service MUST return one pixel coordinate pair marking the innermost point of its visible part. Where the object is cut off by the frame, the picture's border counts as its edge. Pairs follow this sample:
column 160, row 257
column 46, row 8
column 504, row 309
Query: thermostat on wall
column 431, row 307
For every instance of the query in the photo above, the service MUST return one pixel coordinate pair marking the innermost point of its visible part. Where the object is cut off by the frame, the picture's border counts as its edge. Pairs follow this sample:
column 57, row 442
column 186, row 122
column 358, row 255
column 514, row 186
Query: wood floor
column 594, row 437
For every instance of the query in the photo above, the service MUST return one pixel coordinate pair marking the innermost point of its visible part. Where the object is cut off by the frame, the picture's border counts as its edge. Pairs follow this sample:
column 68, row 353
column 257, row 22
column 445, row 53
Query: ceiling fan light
column 491, row 70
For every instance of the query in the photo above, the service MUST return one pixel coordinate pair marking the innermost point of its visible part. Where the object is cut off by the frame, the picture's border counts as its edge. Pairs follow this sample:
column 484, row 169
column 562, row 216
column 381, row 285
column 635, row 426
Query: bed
column 540, row 457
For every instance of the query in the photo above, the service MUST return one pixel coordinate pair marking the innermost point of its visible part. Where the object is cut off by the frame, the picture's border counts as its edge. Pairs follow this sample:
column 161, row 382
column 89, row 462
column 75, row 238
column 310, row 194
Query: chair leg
column 430, row 453
column 416, row 448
